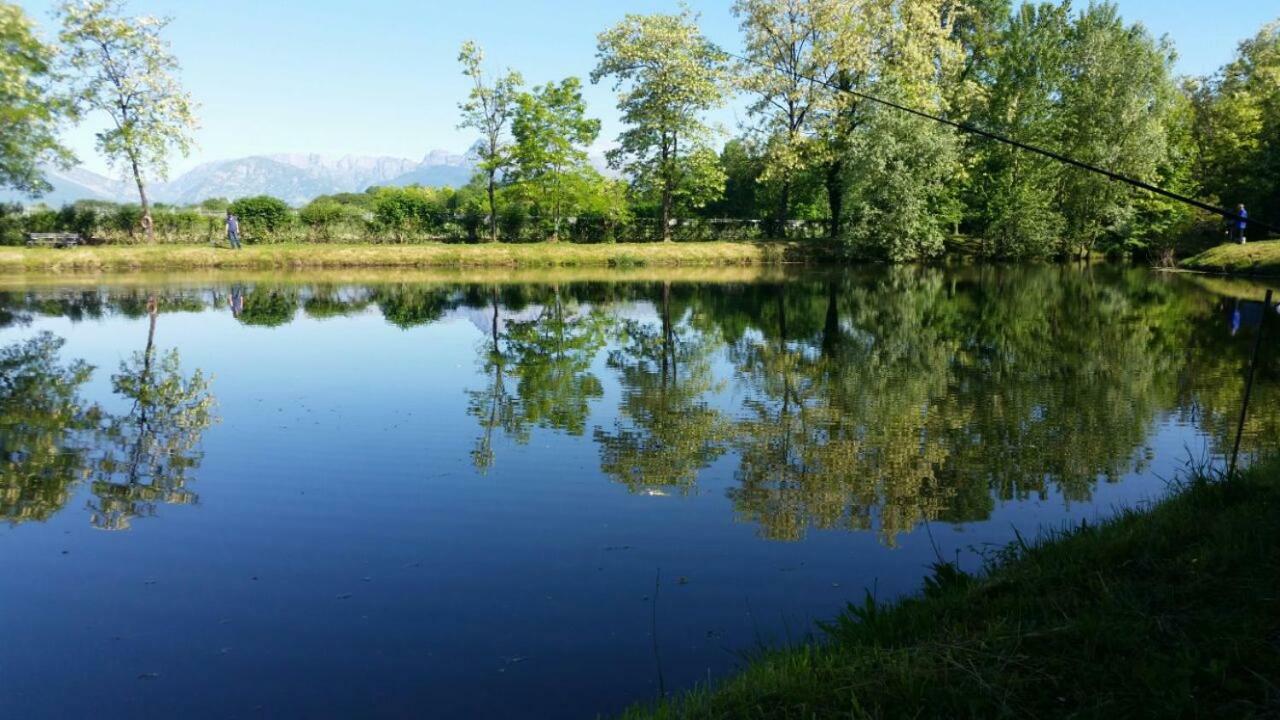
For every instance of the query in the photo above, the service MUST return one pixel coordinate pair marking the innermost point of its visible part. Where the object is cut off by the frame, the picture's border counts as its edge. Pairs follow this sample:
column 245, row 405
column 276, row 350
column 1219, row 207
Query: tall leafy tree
column 1013, row 194
column 667, row 75
column 1237, row 127
column 122, row 67
column 785, row 43
column 1115, row 100
column 31, row 112
column 551, row 131
column 489, row 109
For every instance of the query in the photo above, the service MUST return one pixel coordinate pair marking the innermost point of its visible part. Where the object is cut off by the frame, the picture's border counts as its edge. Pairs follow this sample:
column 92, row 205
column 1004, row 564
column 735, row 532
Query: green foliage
column 31, row 112
column 668, row 75
column 1237, row 127
column 903, row 196
column 403, row 212
column 120, row 66
column 325, row 217
column 262, row 215
column 489, row 108
column 550, row 161
column 215, row 204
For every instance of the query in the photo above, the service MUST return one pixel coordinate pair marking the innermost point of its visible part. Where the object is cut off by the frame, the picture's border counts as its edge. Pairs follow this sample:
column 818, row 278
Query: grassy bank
column 1171, row 611
column 1255, row 258
column 284, row 256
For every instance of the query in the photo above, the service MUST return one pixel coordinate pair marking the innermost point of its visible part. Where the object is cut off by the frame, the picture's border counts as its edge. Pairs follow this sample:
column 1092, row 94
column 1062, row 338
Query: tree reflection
column 269, row 306
column 43, row 424
column 494, row 406
column 50, row 438
column 862, row 400
column 667, row 432
column 549, row 360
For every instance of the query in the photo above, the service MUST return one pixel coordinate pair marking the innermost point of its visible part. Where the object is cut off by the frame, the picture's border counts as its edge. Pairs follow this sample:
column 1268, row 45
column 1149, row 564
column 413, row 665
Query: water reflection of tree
column 667, row 432
column 839, row 427
column 269, row 306
column 923, row 398
column 50, row 438
column 43, row 424
column 144, row 455
column 408, row 305
column 549, row 360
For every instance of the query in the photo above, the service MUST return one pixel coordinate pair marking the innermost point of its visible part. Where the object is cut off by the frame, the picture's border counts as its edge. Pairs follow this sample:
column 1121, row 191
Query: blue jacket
column 1244, row 218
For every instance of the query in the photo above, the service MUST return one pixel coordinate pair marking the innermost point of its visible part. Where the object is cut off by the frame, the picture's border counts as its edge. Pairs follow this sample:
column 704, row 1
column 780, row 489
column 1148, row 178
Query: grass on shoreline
column 285, row 256
column 1170, row 611
column 1254, row 258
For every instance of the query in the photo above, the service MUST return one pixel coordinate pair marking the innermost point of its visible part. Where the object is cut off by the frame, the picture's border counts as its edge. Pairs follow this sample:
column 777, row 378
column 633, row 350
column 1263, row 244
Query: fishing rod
column 965, row 127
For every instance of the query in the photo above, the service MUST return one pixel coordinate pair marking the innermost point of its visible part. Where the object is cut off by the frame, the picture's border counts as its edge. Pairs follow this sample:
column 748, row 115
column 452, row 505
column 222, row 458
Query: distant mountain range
column 296, row 179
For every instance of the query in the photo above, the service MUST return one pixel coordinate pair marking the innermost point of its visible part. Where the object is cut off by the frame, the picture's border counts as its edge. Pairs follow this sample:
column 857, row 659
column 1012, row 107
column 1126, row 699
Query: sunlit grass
column 438, row 255
column 1256, row 258
column 1169, row 611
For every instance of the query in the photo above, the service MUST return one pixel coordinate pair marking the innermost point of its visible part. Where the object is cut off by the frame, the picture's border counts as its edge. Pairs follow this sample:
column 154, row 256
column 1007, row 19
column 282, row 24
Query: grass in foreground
column 200, row 257
column 1171, row 611
column 1254, row 258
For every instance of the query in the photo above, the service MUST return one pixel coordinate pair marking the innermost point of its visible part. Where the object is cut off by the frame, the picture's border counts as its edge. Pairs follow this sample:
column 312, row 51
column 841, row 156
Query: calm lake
column 474, row 496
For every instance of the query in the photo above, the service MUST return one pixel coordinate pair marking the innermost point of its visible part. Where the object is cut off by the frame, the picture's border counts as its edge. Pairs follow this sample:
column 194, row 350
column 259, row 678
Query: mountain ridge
column 296, row 178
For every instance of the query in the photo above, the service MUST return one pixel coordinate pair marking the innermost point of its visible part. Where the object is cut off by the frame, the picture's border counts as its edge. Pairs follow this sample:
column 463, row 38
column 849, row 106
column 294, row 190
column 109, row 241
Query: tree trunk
column 835, row 197
column 668, row 187
column 784, row 209
column 493, row 208
column 147, row 224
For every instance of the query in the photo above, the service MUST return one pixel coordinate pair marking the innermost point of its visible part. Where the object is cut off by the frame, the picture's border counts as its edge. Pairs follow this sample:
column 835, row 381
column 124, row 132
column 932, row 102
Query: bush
column 185, row 225
column 262, row 215
column 125, row 219
column 411, row 210
column 79, row 219
column 323, row 216
column 10, row 224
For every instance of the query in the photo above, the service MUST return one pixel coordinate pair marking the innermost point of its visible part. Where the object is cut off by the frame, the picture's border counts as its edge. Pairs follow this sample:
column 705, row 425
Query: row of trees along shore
column 810, row 161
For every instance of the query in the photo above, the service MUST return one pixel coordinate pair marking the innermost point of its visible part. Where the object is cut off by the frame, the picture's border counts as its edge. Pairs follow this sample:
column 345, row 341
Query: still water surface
column 330, row 497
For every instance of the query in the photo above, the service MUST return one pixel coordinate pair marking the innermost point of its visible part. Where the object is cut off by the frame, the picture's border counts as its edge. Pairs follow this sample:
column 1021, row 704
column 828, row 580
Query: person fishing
column 233, row 230
column 1242, row 223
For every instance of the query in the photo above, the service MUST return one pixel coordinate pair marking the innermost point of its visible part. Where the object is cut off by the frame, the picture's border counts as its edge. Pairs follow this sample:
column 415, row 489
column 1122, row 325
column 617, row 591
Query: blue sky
column 380, row 77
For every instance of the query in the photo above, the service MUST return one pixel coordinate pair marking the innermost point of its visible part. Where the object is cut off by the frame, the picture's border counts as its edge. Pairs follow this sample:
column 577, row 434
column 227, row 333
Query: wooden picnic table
column 57, row 240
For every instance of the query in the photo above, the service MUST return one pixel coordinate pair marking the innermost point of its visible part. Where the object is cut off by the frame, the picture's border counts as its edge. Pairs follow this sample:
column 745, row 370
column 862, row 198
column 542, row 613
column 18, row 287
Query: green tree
column 123, row 68
column 1237, row 127
column 31, row 112
column 785, row 43
column 1013, row 198
column 488, row 109
column 551, row 132
column 667, row 75
column 1120, row 74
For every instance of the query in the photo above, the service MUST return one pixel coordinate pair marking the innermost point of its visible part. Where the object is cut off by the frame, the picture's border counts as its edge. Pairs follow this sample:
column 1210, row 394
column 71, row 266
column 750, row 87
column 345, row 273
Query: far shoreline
column 299, row 256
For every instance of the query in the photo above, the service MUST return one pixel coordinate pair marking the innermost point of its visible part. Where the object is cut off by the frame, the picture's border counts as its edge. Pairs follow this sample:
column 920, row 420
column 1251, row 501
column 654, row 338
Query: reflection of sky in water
column 346, row 558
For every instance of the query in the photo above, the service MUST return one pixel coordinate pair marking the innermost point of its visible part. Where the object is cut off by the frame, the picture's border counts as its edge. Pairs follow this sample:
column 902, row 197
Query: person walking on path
column 233, row 230
column 1242, row 223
